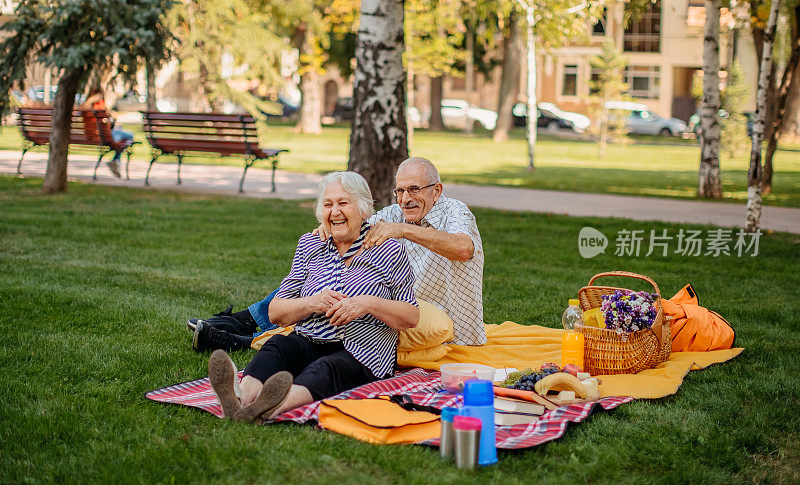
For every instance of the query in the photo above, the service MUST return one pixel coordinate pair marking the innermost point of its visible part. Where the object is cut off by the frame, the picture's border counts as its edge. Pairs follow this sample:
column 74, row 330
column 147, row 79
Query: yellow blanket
column 521, row 346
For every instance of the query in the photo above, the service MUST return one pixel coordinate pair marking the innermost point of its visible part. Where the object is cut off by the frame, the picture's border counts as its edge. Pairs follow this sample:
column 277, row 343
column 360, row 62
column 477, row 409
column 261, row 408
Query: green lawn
column 652, row 167
column 96, row 285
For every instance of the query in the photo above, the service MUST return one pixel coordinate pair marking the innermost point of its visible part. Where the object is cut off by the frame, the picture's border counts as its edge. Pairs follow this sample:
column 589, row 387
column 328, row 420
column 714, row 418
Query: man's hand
column 322, row 302
column 382, row 231
column 320, row 231
column 346, row 310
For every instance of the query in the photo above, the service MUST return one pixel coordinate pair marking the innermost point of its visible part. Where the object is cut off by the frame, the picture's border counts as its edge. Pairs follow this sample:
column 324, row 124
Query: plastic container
column 467, row 432
column 479, row 403
column 572, row 341
column 447, row 438
column 455, row 375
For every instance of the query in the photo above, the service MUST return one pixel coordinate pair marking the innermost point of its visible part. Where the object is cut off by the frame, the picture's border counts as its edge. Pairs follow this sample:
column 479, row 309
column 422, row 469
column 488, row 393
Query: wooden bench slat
column 219, row 117
column 166, row 133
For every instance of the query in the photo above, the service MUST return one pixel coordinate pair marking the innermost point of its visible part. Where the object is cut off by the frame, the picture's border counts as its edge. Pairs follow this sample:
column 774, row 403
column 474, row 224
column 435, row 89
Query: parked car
column 456, row 113
column 552, row 118
column 283, row 107
column 343, row 109
column 643, row 121
column 36, row 94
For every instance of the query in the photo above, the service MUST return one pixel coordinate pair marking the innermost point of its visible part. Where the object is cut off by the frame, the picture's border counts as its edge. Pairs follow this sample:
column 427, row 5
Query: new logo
column 591, row 242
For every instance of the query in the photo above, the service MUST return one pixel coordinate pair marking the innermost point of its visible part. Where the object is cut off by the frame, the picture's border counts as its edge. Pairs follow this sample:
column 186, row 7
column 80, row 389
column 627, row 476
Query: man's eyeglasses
column 413, row 190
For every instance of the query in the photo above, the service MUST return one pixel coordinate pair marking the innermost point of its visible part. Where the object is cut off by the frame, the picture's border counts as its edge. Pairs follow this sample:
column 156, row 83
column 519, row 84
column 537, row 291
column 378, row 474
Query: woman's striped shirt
column 382, row 271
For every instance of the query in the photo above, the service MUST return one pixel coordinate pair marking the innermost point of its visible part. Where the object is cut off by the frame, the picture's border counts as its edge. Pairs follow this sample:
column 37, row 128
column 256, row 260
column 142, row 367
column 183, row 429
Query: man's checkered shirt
column 454, row 286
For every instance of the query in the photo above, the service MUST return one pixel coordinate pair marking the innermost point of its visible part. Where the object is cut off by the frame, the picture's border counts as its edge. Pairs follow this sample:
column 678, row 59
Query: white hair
column 353, row 184
column 431, row 174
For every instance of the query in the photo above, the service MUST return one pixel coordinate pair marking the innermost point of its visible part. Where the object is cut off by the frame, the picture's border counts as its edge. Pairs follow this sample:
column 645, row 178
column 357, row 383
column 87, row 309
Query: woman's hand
column 288, row 311
column 346, row 310
column 323, row 301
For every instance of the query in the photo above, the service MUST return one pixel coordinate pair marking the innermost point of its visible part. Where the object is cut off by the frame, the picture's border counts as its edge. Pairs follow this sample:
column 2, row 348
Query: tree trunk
column 437, row 87
column 790, row 126
column 754, row 174
column 378, row 138
column 509, row 81
column 532, row 118
column 206, row 91
column 758, row 42
column 150, row 86
column 410, row 93
column 55, row 179
column 788, row 81
column 469, row 75
column 709, row 184
column 601, row 146
column 310, row 109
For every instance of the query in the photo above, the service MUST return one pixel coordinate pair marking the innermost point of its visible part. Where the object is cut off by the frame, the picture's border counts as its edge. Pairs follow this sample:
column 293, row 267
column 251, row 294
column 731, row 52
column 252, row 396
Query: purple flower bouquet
column 627, row 311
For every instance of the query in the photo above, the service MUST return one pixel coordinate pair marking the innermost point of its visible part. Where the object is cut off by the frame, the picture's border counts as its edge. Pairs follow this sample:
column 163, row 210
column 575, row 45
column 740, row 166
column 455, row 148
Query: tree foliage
column 733, row 139
column 555, row 24
column 244, row 35
column 433, row 36
column 99, row 35
column 79, row 38
column 609, row 86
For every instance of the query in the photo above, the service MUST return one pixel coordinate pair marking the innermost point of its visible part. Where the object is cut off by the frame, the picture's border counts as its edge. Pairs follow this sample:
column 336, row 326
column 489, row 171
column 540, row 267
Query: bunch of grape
column 527, row 381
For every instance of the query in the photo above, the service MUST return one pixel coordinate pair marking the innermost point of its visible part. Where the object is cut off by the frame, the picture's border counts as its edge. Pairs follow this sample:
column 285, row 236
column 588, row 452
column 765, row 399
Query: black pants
column 325, row 369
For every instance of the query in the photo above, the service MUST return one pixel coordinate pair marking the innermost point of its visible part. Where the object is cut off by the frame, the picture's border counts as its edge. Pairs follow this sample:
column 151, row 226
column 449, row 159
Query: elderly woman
column 347, row 304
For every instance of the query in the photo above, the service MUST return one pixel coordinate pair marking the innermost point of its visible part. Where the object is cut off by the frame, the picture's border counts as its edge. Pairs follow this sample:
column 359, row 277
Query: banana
column 561, row 381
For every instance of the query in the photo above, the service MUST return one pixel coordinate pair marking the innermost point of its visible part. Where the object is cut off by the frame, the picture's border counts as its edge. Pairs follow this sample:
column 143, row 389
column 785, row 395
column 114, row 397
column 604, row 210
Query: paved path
column 224, row 180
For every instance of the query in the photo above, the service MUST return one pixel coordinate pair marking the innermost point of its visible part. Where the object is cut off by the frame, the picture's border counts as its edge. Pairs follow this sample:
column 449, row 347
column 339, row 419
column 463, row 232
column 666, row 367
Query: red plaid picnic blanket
column 424, row 387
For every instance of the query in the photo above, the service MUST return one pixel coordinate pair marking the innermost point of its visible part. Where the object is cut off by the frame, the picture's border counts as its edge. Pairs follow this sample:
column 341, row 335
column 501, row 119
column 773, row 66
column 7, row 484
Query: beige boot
column 224, row 381
column 273, row 393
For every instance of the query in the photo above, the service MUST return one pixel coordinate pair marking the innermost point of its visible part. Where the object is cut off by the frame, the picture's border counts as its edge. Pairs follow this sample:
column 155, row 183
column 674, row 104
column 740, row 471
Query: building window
column 644, row 34
column 599, row 28
column 594, row 78
column 570, row 86
column 643, row 81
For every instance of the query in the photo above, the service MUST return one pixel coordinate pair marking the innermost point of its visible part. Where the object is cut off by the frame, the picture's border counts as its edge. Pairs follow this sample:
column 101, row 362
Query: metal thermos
column 447, row 439
column 467, row 431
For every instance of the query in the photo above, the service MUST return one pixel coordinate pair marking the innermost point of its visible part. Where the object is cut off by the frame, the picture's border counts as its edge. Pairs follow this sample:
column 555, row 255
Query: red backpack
column 695, row 328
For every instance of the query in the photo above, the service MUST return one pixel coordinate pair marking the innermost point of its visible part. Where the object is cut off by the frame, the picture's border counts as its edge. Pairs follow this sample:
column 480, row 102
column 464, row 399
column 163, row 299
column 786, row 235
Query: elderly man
column 443, row 245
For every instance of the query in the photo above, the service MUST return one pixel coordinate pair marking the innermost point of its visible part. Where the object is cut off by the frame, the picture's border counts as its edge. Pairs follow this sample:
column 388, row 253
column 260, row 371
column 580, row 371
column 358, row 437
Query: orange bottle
column 572, row 341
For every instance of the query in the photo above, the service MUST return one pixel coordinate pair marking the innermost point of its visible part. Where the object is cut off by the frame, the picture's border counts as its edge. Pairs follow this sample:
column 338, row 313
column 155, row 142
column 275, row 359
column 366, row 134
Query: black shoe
column 240, row 323
column 207, row 337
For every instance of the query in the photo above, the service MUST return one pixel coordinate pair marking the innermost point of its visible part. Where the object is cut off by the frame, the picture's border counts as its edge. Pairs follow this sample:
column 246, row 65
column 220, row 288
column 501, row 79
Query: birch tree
column 378, row 138
column 709, row 183
column 754, row 174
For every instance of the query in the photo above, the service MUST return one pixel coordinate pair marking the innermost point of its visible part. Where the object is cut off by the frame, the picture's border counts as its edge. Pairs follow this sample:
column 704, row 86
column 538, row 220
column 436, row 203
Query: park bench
column 224, row 134
column 89, row 127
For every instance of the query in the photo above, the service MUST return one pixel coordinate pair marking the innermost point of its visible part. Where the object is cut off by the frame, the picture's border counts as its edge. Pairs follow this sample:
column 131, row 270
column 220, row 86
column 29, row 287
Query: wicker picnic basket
column 606, row 352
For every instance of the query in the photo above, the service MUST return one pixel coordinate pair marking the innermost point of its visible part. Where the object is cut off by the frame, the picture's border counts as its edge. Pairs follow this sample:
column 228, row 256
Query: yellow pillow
column 435, row 327
column 413, row 358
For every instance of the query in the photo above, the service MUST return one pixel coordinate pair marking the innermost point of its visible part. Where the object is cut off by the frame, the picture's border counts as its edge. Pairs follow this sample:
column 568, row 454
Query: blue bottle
column 479, row 403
